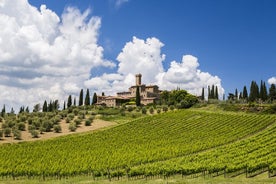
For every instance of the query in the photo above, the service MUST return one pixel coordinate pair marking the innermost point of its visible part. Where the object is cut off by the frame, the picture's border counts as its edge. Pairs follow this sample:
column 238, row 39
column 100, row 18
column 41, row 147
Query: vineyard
column 186, row 142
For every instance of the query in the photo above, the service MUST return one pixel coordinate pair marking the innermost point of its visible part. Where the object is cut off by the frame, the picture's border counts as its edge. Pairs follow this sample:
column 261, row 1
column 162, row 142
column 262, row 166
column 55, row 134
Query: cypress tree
column 45, row 106
column 64, row 105
column 69, row 102
column 236, row 93
column 213, row 92
column 202, row 94
column 138, row 99
column 75, row 103
column 81, row 98
column 244, row 93
column 94, row 100
column 272, row 92
column 87, row 98
column 216, row 93
column 254, row 92
column 209, row 93
column 3, row 112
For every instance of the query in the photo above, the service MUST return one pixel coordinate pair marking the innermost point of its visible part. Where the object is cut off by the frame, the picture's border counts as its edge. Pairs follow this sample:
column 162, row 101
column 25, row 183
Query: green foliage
column 137, row 97
column 144, row 110
column 72, row 126
column 7, row 132
column 87, row 98
column 34, row 133
column 21, row 126
column 88, row 122
column 1, row 134
column 177, row 142
column 57, row 128
column 17, row 134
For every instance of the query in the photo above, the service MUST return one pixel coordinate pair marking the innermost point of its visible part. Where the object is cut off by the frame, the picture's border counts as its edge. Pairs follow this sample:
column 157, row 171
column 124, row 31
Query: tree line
column 257, row 93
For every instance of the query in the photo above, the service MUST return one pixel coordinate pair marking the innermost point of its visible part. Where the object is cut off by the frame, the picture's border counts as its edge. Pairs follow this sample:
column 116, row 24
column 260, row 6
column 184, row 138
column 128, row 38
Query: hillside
column 177, row 142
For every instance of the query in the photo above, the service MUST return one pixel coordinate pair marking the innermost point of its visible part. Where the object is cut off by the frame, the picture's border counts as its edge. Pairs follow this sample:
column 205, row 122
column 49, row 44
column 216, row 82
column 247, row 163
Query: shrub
column 165, row 108
column 144, row 110
column 129, row 108
column 77, row 121
column 34, row 133
column 72, row 126
column 151, row 110
column 158, row 111
column 7, row 132
column 67, row 120
column 21, row 126
column 17, row 134
column 57, row 128
column 1, row 134
column 88, row 122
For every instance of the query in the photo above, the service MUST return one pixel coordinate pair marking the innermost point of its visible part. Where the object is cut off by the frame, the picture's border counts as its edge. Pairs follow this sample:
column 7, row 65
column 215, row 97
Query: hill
column 177, row 142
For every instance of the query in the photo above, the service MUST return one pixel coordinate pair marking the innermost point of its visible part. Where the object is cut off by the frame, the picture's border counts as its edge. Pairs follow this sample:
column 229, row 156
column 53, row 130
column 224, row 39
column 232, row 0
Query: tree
column 69, row 102
column 244, row 93
column 81, row 98
column 202, row 94
column 45, row 107
column 94, row 100
column 165, row 97
column 216, row 93
column 254, row 92
column 263, row 91
column 87, row 98
column 37, row 108
column 138, row 98
column 236, row 94
column 3, row 112
column 64, row 105
column 75, row 103
column 272, row 92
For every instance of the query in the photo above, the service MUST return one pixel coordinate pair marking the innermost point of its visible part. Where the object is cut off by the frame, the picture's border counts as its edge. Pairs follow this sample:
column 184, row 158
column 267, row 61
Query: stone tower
column 138, row 79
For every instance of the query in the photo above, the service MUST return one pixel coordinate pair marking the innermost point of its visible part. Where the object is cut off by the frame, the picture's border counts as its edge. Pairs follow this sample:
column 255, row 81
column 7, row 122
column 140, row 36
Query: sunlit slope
column 176, row 136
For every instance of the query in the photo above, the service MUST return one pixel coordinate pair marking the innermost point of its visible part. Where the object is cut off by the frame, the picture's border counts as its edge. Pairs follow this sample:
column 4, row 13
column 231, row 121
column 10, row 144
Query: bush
column 151, row 110
column 144, row 110
column 158, row 111
column 1, row 134
column 165, row 108
column 21, row 126
column 7, row 132
column 17, row 134
column 67, row 120
column 34, row 133
column 77, row 121
column 88, row 122
column 57, row 128
column 72, row 126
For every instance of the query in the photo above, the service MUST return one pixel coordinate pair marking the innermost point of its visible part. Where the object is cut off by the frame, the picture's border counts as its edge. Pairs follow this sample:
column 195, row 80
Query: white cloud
column 272, row 80
column 43, row 56
column 119, row 3
column 145, row 57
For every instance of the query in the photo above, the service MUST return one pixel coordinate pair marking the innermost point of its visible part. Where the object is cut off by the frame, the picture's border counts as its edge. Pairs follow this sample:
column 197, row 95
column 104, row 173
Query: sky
column 50, row 49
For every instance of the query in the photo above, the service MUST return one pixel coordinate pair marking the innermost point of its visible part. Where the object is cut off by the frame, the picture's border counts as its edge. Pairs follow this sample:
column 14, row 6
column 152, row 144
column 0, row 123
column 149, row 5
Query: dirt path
column 26, row 136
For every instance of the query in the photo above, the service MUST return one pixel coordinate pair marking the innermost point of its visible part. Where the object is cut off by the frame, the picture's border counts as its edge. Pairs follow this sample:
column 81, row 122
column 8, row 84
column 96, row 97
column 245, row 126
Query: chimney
column 138, row 79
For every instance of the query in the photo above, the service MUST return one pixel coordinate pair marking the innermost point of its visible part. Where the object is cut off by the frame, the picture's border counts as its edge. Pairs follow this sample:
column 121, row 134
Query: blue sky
column 233, row 39
column 228, row 43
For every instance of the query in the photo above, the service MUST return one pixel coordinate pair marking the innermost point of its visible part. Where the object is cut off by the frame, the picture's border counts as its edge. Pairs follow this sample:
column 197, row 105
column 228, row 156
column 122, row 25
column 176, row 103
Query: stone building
column 148, row 94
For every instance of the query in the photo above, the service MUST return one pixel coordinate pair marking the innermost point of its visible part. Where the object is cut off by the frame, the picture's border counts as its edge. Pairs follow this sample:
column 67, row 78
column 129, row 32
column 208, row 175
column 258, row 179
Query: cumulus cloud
column 44, row 56
column 272, row 80
column 145, row 57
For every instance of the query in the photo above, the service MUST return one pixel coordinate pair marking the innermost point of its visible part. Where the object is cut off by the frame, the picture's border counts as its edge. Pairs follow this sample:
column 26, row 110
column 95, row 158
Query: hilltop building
column 148, row 94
